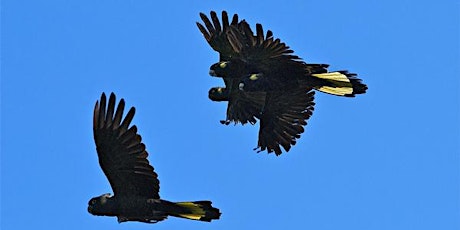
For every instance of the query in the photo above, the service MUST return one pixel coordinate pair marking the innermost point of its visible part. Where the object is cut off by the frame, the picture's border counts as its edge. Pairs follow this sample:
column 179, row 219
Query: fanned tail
column 340, row 83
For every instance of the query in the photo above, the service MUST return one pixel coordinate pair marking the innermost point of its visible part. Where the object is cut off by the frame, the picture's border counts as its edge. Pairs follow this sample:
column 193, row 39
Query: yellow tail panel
column 336, row 90
column 196, row 211
column 342, row 85
column 335, row 76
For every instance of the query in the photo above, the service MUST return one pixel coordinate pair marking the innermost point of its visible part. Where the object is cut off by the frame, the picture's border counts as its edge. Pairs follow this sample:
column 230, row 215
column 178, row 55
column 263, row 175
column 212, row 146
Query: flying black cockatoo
column 123, row 159
column 262, row 75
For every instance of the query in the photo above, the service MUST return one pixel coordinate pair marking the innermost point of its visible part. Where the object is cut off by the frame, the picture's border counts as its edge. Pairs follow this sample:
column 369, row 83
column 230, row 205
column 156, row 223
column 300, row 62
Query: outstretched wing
column 122, row 155
column 283, row 119
column 265, row 53
column 216, row 34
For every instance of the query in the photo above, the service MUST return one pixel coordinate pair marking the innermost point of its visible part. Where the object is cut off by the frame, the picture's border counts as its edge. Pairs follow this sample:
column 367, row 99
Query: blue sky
column 388, row 159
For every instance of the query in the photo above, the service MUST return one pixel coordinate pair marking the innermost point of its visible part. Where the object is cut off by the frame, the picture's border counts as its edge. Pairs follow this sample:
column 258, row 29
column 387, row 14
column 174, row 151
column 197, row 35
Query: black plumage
column 265, row 80
column 123, row 159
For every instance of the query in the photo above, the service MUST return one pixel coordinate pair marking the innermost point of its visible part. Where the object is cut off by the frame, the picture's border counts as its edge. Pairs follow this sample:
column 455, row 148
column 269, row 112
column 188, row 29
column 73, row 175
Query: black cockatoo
column 123, row 159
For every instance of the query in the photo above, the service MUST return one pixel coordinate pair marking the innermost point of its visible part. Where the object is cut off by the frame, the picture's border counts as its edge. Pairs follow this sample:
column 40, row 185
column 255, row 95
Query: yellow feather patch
column 341, row 85
column 253, row 77
column 196, row 211
column 341, row 91
column 191, row 216
column 223, row 64
column 335, row 76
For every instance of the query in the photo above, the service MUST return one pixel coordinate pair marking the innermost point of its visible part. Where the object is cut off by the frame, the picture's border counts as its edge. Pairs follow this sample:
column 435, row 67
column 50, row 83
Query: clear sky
column 388, row 159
